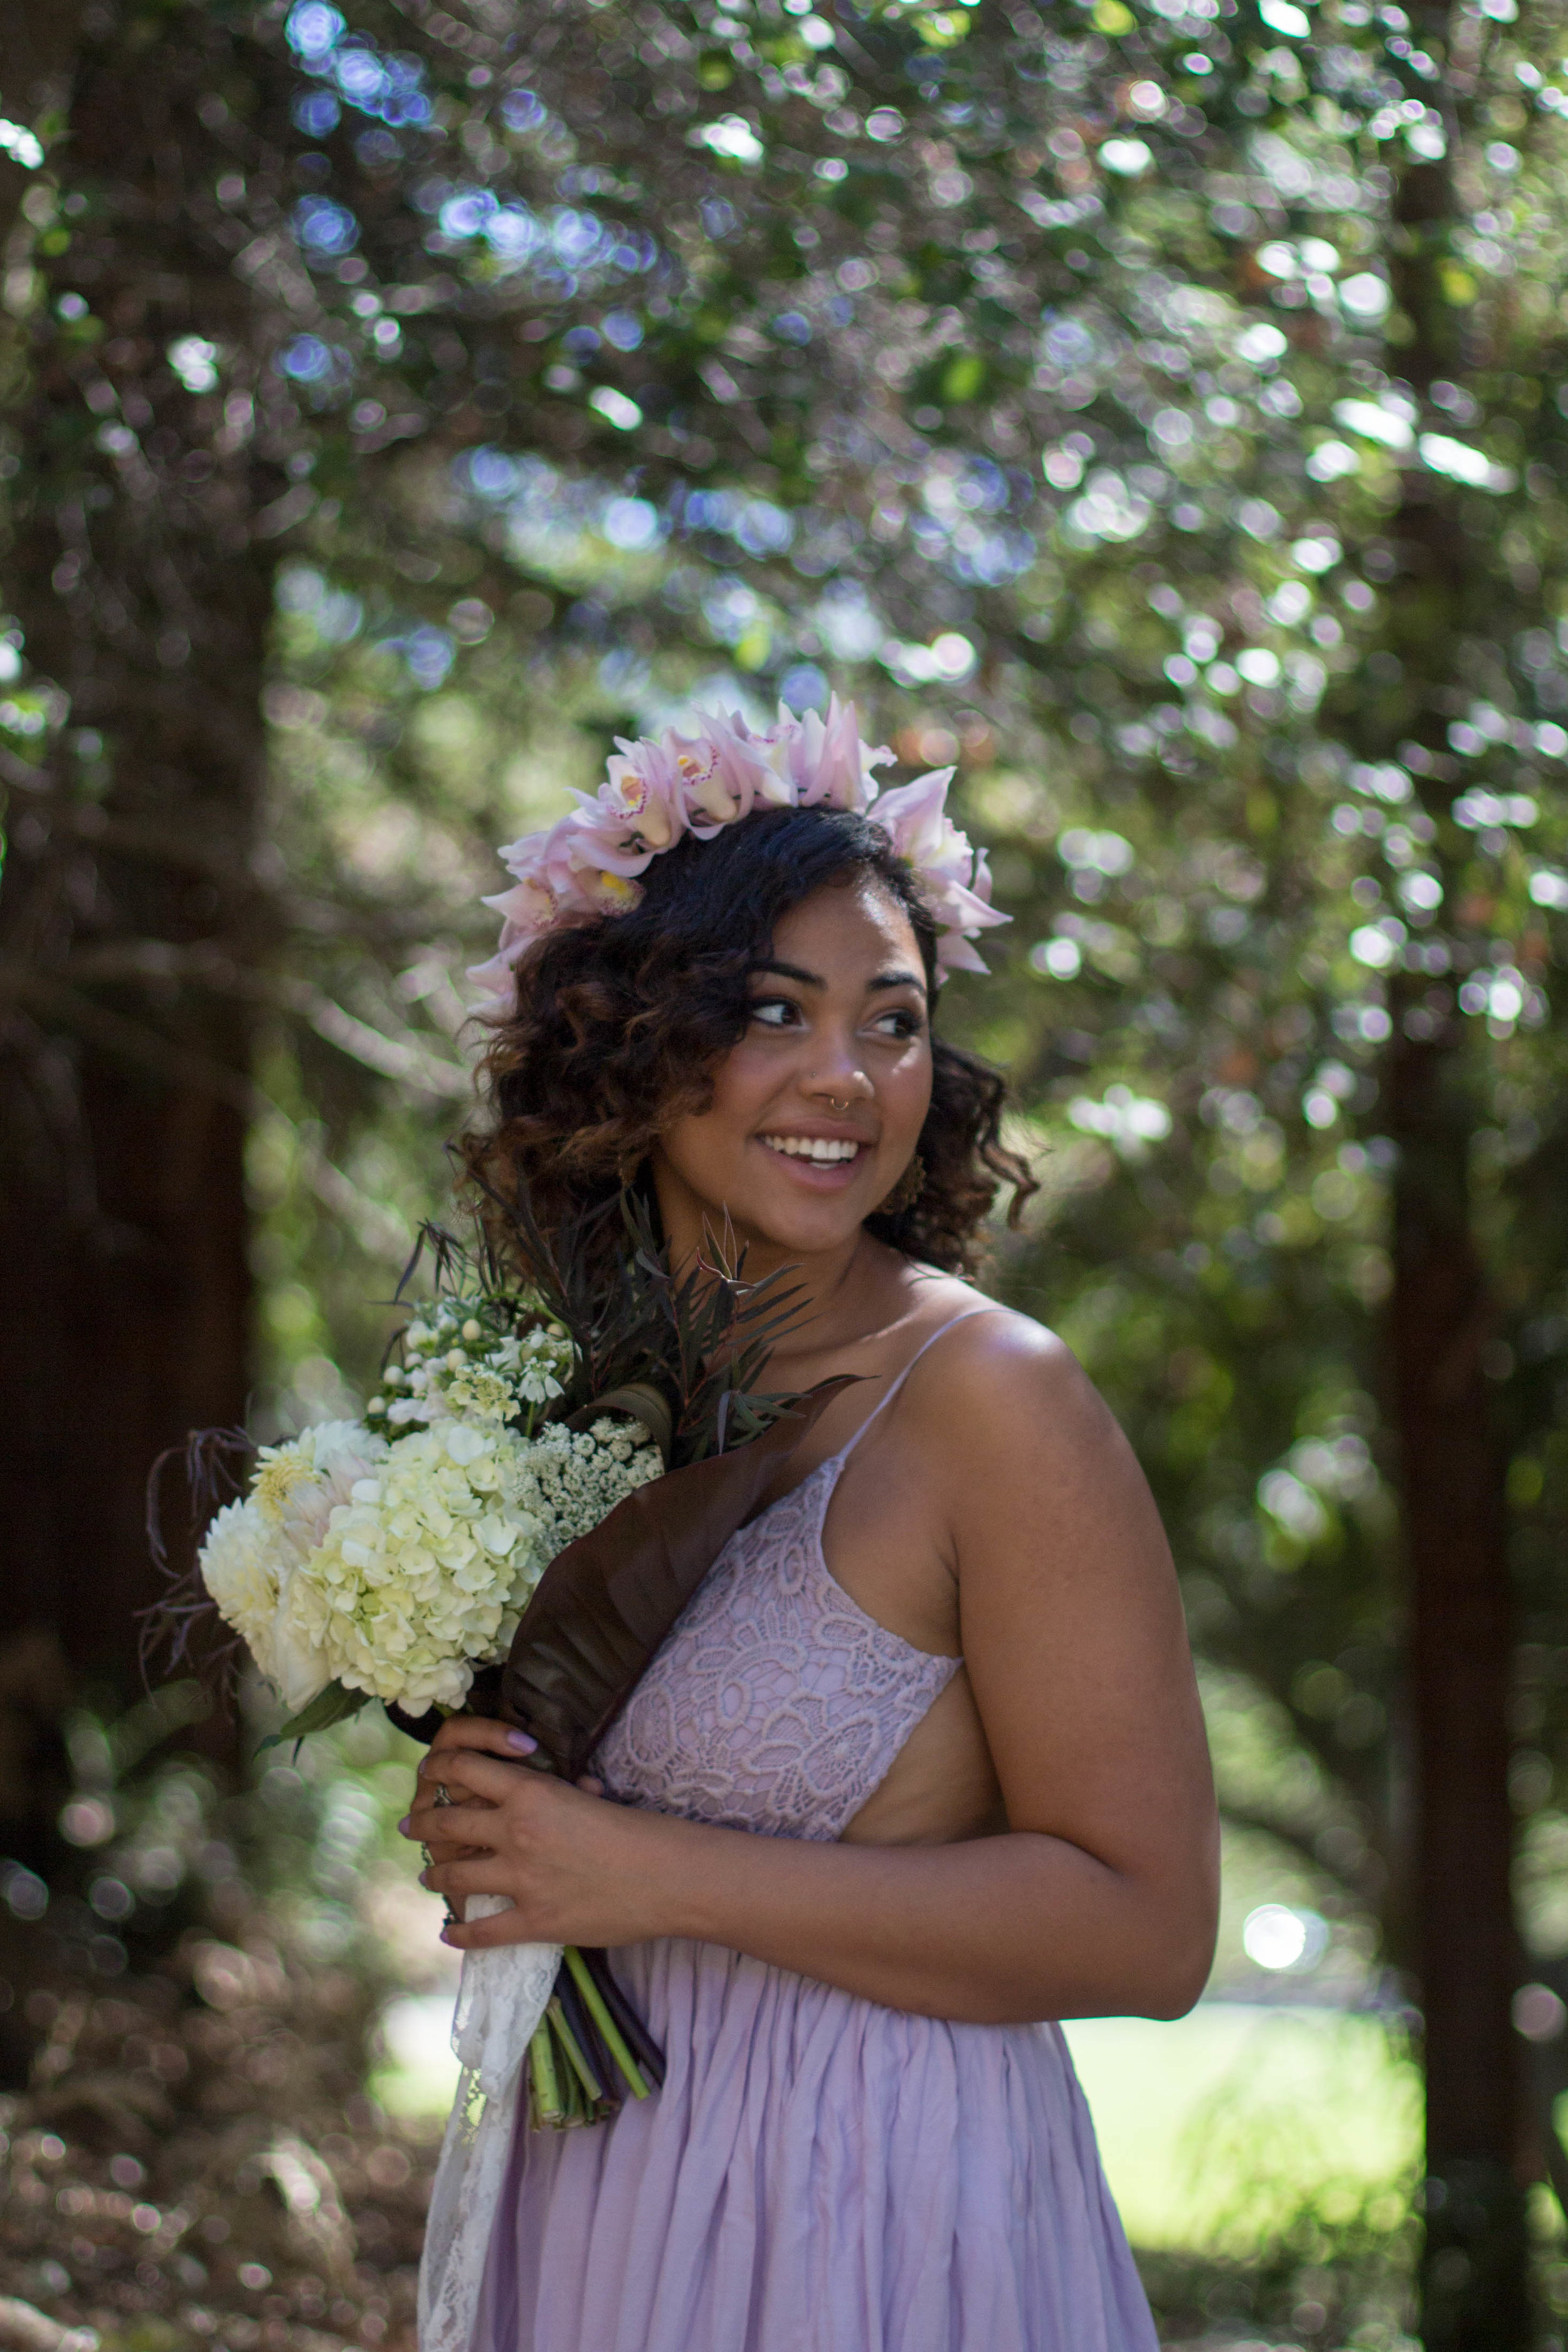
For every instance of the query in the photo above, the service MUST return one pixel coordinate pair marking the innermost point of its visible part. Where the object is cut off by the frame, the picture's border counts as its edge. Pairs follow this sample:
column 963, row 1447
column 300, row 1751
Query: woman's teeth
column 822, row 1147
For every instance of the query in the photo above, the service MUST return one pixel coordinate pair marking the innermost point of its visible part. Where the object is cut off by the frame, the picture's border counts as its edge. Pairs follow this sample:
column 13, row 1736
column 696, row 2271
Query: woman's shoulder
column 1010, row 1430
column 989, row 1365
column 970, row 1324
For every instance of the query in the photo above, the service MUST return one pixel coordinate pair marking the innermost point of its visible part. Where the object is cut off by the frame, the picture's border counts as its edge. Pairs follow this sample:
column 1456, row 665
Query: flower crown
column 585, row 864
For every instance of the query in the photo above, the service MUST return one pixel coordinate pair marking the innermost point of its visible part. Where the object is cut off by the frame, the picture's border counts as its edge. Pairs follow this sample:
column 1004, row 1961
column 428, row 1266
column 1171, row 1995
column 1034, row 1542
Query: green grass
column 1216, row 2130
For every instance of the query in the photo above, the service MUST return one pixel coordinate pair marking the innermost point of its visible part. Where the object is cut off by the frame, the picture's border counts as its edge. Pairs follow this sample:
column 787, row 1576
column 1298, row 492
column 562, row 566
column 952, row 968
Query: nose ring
column 837, row 1106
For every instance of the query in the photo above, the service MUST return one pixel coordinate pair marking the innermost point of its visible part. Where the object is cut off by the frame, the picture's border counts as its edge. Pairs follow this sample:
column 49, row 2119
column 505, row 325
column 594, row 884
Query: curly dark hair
column 617, row 1025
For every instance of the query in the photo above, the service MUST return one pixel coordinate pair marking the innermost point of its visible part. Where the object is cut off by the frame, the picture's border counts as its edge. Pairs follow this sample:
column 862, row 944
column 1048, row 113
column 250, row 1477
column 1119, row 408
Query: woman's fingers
column 482, row 1935
column 461, row 1739
column 467, row 1772
column 476, row 1875
column 482, row 1732
column 475, row 1826
column 500, row 1831
column 437, row 1849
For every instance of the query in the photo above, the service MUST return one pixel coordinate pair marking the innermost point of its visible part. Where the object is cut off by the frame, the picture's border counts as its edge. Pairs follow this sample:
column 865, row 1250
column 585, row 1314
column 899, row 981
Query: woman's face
column 816, row 1113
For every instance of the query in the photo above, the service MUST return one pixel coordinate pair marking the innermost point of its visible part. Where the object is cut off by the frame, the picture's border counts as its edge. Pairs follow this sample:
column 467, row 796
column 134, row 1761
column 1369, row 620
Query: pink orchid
column 954, row 879
column 727, row 773
column 574, row 870
column 830, row 766
column 644, row 793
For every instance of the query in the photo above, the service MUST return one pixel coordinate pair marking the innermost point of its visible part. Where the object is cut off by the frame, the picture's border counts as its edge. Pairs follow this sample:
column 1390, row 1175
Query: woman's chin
column 799, row 1227
column 777, row 1204
column 809, row 1228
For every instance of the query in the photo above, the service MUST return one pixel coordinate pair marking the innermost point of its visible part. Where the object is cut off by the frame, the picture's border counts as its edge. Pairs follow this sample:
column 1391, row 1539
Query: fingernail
column 403, row 1825
column 446, row 1935
column 521, row 1742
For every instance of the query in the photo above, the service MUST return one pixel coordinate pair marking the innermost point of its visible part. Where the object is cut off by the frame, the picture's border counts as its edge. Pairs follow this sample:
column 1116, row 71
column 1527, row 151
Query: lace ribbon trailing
column 500, row 1999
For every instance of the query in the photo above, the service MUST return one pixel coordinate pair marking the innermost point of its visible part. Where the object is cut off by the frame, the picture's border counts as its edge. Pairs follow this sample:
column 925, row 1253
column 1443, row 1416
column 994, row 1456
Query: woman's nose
column 841, row 1087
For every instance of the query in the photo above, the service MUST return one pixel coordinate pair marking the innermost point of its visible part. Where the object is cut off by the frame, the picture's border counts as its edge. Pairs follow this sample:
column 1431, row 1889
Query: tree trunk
column 1475, row 2264
column 1474, row 2272
column 40, row 48
column 128, row 902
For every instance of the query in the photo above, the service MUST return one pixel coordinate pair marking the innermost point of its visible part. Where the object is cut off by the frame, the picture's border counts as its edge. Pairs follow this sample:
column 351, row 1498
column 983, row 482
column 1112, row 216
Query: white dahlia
column 243, row 1564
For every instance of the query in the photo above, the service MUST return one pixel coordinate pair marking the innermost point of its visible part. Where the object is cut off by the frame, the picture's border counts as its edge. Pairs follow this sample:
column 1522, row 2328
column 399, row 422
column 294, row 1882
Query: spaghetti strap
column 990, row 1306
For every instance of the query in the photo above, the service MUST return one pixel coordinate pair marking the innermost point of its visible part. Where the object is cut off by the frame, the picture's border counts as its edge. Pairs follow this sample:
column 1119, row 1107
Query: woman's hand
column 439, row 1843
column 574, row 1868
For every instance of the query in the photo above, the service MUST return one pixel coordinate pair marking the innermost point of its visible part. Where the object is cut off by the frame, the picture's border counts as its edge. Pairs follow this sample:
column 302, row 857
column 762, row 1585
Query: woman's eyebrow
column 792, row 971
column 815, row 980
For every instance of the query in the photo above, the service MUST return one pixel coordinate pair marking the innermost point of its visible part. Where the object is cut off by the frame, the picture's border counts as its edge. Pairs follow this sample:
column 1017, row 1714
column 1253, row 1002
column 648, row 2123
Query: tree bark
column 1475, row 2265
column 1475, row 2262
column 128, row 901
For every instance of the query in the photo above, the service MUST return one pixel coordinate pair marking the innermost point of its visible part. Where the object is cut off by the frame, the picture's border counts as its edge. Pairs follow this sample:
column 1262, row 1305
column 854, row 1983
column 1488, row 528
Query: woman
column 923, row 1764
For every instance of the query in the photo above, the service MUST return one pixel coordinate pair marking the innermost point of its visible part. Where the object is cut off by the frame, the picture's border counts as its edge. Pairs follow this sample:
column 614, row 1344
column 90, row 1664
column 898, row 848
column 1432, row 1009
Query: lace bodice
column 775, row 1704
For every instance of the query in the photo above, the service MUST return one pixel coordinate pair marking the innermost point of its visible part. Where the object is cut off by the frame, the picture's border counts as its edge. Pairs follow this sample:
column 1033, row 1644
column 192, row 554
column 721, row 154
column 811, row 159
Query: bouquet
column 392, row 1558
column 550, row 1468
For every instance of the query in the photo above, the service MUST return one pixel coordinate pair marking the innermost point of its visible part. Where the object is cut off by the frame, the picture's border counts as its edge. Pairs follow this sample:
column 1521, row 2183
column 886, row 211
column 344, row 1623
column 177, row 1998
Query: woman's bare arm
column 1100, row 1896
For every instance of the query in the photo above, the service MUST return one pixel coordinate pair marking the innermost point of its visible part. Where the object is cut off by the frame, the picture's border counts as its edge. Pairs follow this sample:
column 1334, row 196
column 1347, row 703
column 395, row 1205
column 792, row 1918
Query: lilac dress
column 817, row 2174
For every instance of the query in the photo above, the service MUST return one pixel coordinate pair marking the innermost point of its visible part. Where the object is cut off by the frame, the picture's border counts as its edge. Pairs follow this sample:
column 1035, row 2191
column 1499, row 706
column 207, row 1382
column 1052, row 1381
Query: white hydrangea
column 396, row 1567
column 424, row 1570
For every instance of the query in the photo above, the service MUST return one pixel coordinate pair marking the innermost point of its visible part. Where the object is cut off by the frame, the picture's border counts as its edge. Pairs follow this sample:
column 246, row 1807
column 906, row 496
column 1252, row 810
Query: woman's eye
column 900, row 1025
column 774, row 1012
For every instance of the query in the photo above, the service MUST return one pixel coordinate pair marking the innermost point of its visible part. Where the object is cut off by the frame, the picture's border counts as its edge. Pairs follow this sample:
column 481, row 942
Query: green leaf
column 333, row 1705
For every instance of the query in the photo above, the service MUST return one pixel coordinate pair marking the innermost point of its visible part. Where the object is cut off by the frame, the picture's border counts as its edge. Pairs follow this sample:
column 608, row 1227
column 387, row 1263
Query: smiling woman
column 920, row 1770
column 620, row 1029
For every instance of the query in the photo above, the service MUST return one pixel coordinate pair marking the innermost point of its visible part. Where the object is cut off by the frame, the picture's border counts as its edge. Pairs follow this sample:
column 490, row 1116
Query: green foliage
column 145, row 1841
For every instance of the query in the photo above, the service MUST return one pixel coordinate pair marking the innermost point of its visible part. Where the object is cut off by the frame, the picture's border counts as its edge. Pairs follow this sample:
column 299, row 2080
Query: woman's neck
column 845, row 1293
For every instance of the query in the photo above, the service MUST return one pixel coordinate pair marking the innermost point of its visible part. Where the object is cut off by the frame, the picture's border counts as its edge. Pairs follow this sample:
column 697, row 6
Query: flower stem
column 569, row 2042
column 544, row 2087
column 593, row 2002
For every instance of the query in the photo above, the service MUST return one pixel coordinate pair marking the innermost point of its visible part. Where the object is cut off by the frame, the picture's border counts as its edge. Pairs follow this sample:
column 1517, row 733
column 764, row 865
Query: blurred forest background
column 1160, row 409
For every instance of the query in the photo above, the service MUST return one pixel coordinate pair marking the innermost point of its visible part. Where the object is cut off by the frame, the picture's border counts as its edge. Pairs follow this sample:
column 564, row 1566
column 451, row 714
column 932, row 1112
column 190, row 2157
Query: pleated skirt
column 817, row 2174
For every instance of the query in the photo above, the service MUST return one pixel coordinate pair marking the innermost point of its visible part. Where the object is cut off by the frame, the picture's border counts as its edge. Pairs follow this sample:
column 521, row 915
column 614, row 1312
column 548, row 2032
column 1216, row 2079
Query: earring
column 907, row 1190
